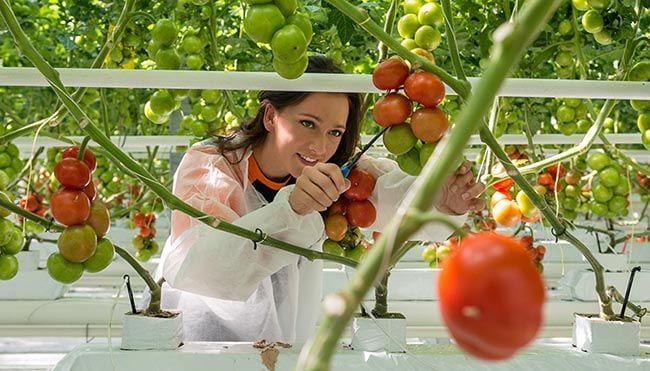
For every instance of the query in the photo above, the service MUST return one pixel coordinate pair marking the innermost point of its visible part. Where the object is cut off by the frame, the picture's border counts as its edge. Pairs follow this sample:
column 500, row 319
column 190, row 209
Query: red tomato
column 545, row 179
column 72, row 173
column 361, row 213
column 391, row 109
column 339, row 207
column 90, row 191
column 491, row 296
column 553, row 170
column 429, row 124
column 138, row 219
column 99, row 219
column 506, row 213
column 362, row 185
column 425, row 88
column 30, row 202
column 70, row 206
column 89, row 156
column 390, row 74
column 503, row 184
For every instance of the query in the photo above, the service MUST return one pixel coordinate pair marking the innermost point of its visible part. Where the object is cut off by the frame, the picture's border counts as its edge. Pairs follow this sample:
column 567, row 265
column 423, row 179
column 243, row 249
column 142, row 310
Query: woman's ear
column 268, row 119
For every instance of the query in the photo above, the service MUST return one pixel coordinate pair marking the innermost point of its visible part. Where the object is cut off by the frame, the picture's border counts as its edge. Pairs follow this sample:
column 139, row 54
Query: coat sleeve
column 392, row 185
column 213, row 263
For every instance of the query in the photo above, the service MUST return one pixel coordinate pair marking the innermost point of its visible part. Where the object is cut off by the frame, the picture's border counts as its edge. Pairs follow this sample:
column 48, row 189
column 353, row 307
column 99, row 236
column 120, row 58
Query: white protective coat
column 227, row 290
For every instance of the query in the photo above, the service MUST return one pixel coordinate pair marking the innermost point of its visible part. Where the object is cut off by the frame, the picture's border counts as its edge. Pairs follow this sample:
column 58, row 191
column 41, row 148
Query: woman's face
column 306, row 133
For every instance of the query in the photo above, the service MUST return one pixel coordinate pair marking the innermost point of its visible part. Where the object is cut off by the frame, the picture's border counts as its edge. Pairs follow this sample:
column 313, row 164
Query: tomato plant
column 491, row 296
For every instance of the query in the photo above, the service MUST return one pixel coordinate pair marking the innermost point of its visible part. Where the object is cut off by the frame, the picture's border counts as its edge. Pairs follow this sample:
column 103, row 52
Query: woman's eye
column 336, row 133
column 307, row 123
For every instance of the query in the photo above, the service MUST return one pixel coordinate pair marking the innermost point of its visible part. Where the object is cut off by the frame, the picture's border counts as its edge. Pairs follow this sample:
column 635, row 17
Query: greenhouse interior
column 324, row 185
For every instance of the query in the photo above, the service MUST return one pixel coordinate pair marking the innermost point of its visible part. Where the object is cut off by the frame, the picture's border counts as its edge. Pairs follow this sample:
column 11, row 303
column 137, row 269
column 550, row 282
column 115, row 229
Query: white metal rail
column 225, row 80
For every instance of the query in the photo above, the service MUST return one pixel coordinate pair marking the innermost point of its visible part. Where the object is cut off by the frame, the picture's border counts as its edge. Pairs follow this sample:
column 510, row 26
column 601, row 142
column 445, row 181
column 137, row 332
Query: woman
column 276, row 174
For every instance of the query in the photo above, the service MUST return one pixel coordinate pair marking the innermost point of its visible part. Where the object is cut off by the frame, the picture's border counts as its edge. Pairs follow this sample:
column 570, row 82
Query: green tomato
column 356, row 253
column 597, row 160
column 622, row 188
column 643, row 122
column 598, row 208
column 143, row 255
column 6, row 231
column 8, row 267
column 592, row 21
column 332, row 247
column 15, row 244
column 617, row 204
column 570, row 203
column 609, row 176
column 102, row 257
column 601, row 193
column 63, row 270
column 572, row 191
column 429, row 254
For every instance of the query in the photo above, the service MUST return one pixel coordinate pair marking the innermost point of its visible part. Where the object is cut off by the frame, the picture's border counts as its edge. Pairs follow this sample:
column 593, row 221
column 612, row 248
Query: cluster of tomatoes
column 536, row 253
column 81, row 245
column 491, row 316
column 11, row 243
column 506, row 211
column 348, row 214
column 436, row 253
column 33, row 202
column 144, row 242
column 418, row 27
column 288, row 32
column 411, row 135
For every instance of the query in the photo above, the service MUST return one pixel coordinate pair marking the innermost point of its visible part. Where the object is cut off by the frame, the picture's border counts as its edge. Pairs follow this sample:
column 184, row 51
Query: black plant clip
column 127, row 280
column 629, row 288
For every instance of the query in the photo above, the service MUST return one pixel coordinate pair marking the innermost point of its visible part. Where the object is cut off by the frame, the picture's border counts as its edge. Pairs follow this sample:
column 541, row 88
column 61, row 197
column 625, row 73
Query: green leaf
column 344, row 25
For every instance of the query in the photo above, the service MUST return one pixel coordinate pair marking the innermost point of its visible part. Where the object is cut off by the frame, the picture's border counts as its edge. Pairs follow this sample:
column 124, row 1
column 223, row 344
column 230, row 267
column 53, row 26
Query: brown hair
column 253, row 132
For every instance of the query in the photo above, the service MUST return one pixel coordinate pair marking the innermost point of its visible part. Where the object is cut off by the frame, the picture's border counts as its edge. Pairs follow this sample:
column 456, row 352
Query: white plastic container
column 595, row 335
column 143, row 332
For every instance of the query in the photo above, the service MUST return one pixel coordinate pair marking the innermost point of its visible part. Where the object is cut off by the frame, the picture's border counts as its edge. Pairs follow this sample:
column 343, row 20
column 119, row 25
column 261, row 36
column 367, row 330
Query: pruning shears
column 349, row 164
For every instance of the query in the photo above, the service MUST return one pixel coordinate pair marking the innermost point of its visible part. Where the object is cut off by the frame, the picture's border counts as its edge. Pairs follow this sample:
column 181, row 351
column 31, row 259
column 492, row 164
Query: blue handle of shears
column 345, row 170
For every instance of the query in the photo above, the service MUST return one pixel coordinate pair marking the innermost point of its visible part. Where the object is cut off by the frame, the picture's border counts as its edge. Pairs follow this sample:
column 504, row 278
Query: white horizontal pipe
column 138, row 143
column 225, row 80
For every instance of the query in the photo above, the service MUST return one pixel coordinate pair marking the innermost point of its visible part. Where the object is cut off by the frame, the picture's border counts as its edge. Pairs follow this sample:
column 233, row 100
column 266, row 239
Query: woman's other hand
column 460, row 192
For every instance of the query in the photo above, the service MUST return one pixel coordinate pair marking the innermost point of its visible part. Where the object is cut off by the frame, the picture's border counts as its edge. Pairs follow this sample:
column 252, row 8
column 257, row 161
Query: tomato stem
column 451, row 40
column 82, row 148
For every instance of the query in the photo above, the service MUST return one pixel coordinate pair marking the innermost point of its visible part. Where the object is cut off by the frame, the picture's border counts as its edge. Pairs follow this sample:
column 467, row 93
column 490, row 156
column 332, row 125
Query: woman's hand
column 317, row 188
column 460, row 191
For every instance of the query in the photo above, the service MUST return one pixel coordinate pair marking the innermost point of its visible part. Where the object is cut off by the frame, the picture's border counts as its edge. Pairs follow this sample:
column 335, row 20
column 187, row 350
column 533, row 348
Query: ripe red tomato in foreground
column 491, row 296
column 362, row 184
column 89, row 156
column 390, row 74
column 425, row 88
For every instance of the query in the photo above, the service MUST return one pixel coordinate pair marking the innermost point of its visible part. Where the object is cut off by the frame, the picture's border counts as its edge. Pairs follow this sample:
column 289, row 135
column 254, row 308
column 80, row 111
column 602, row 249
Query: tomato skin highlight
column 491, row 296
